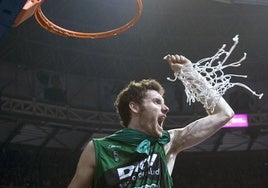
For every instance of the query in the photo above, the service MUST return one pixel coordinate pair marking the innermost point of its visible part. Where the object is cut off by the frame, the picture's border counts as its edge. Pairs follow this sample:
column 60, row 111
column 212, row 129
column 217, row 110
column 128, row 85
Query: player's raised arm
column 219, row 112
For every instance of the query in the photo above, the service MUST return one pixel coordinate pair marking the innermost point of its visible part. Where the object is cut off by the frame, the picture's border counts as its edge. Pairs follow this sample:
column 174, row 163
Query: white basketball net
column 211, row 69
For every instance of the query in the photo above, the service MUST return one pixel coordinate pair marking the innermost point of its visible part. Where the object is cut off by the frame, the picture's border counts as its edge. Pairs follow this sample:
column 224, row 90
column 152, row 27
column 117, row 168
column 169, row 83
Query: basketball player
column 143, row 153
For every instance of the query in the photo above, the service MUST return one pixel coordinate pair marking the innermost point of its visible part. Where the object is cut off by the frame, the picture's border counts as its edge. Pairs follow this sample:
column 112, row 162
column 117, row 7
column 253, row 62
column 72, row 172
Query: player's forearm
column 224, row 110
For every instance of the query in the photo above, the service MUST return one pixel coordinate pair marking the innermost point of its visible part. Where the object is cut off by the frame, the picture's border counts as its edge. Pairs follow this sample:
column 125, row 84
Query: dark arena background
column 57, row 92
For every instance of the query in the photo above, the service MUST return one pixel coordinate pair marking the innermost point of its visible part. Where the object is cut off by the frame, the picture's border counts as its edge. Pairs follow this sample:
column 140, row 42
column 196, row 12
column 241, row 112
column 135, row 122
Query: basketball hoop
column 34, row 7
column 53, row 28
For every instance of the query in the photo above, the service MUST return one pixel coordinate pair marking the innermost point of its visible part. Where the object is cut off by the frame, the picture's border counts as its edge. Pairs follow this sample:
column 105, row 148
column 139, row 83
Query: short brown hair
column 134, row 92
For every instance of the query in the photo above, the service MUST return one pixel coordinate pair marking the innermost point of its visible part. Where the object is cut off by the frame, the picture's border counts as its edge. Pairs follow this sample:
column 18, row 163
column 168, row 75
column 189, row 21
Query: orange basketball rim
column 33, row 7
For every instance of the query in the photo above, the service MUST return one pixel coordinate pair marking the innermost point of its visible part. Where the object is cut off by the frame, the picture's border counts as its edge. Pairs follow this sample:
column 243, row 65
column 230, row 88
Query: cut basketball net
column 218, row 82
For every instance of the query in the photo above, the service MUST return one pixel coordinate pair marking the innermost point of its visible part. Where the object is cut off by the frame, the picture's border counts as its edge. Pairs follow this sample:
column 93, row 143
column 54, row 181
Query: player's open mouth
column 161, row 120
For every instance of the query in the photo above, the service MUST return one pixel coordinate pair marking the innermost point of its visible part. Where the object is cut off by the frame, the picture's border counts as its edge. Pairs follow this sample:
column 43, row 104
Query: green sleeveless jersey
column 131, row 159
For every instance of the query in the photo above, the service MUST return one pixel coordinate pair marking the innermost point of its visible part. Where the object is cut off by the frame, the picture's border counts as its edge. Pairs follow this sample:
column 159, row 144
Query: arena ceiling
column 57, row 92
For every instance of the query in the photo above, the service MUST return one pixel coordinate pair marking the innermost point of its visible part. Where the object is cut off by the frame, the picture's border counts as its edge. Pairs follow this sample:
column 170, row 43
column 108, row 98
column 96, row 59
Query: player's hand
column 176, row 62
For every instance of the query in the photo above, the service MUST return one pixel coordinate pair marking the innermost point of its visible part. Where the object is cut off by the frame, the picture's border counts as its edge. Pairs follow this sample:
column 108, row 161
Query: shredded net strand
column 211, row 68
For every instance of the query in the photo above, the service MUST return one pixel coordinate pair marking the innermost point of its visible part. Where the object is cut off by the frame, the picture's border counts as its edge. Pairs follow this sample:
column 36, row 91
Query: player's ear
column 134, row 107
